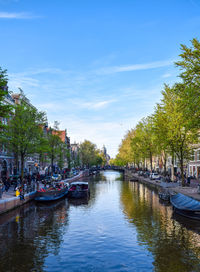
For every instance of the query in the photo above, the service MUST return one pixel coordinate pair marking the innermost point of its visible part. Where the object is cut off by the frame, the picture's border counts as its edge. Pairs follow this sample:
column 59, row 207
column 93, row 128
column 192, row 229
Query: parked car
column 154, row 176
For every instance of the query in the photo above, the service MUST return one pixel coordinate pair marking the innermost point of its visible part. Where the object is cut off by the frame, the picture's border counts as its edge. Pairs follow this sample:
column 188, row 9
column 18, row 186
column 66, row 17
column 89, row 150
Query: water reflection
column 29, row 234
column 121, row 227
column 174, row 247
column 79, row 202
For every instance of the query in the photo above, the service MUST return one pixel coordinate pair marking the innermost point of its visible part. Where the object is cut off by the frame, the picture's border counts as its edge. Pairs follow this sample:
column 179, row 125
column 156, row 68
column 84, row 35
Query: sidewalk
column 9, row 194
column 191, row 191
column 9, row 200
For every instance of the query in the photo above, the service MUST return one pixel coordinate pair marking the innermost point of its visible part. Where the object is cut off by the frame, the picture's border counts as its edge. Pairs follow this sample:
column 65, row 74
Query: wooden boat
column 164, row 194
column 78, row 189
column 186, row 206
column 53, row 192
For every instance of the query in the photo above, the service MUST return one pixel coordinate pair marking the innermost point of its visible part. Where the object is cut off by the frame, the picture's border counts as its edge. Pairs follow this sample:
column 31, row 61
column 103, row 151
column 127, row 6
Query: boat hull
column 186, row 206
column 164, row 196
column 50, row 195
column 188, row 214
column 78, row 194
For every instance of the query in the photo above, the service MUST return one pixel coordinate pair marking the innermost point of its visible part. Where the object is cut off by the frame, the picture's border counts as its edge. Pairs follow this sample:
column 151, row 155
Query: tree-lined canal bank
column 122, row 227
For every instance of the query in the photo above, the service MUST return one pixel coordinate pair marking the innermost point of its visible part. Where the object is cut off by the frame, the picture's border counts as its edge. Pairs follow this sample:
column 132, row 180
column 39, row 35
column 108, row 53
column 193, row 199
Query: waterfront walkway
column 9, row 200
column 191, row 190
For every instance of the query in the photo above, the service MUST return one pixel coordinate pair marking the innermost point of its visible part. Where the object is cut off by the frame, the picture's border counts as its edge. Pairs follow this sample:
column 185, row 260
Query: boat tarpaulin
column 186, row 203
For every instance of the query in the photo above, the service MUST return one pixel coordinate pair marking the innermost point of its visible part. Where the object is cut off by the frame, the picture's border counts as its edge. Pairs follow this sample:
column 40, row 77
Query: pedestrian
column 188, row 180
column 1, row 188
column 15, row 183
column 37, row 185
column 21, row 193
column 7, row 185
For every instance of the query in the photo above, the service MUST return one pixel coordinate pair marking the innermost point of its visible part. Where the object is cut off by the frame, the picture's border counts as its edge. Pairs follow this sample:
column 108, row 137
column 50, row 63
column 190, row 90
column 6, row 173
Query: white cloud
column 86, row 104
column 135, row 67
column 19, row 81
column 166, row 75
column 106, row 133
column 15, row 15
column 92, row 105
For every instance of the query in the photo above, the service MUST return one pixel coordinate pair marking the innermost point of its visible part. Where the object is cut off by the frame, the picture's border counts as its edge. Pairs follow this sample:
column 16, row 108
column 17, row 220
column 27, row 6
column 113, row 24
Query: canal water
column 122, row 227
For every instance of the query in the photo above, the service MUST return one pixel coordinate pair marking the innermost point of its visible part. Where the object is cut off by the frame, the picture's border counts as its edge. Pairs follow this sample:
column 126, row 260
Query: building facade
column 6, row 157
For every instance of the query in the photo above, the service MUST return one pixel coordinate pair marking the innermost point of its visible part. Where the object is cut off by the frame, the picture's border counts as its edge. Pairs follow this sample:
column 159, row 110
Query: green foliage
column 55, row 145
column 126, row 154
column 24, row 132
column 100, row 158
column 174, row 126
column 5, row 110
column 190, row 64
column 90, row 155
column 180, row 133
column 145, row 139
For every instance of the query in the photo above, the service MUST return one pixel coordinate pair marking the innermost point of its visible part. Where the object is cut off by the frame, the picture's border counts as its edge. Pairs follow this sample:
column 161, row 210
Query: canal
column 122, row 227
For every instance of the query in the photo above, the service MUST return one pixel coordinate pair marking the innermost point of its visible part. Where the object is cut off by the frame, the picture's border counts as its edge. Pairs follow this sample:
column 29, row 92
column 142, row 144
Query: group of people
column 4, row 185
column 16, row 183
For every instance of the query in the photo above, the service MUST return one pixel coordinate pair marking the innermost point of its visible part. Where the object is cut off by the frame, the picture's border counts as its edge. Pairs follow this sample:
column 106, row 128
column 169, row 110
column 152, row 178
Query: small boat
column 79, row 189
column 133, row 179
column 164, row 194
column 186, row 206
column 54, row 192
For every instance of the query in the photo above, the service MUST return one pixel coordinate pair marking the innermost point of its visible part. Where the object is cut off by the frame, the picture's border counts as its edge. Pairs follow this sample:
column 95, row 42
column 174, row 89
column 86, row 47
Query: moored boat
column 164, row 194
column 53, row 192
column 78, row 189
column 186, row 206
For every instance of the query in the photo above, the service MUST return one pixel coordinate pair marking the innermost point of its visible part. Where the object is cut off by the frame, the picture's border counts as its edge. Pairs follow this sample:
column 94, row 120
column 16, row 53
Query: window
column 198, row 155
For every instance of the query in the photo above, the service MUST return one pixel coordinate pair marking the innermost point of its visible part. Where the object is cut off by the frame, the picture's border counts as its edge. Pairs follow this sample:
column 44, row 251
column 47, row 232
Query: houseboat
column 78, row 189
column 54, row 191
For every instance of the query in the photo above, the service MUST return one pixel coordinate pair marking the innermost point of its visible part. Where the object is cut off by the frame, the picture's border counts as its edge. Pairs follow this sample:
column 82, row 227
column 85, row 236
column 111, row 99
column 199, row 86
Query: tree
column 61, row 155
column 54, row 143
column 42, row 148
column 180, row 133
column 144, row 141
column 190, row 64
column 189, row 89
column 126, row 154
column 5, row 109
column 164, row 147
column 88, row 153
column 24, row 132
column 100, row 158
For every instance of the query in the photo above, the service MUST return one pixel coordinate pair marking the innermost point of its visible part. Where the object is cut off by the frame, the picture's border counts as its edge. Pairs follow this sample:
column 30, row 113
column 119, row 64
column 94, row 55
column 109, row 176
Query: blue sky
column 97, row 67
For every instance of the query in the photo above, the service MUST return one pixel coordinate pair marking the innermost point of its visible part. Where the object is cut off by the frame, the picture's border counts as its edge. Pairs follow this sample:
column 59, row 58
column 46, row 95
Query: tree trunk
column 172, row 168
column 22, row 170
column 144, row 164
column 182, row 173
column 151, row 161
column 52, row 160
column 165, row 163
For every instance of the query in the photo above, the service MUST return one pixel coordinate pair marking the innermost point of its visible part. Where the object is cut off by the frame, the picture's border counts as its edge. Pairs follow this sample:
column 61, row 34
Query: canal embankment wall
column 10, row 203
column 174, row 186
column 14, row 202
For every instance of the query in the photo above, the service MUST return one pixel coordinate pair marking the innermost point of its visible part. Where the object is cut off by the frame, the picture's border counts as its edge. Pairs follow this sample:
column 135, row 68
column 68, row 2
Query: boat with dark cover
column 52, row 193
column 79, row 189
column 186, row 206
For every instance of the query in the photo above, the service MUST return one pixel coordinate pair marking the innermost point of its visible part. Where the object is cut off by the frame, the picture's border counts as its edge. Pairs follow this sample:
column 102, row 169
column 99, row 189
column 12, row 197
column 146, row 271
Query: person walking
column 21, row 191
column 188, row 180
column 1, row 188
column 7, row 185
